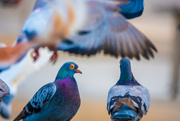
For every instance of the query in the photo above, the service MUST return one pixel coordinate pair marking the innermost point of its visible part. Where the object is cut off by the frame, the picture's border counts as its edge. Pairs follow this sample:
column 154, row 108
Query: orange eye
column 72, row 66
column 119, row 62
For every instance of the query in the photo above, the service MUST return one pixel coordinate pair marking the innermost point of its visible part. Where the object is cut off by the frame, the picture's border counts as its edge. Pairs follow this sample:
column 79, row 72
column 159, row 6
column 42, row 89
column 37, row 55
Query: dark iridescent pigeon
column 106, row 29
column 56, row 101
column 127, row 100
column 132, row 10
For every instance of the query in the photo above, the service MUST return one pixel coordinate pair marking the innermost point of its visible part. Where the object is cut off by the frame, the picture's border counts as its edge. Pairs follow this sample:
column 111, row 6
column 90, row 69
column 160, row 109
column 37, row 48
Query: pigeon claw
column 54, row 57
column 35, row 54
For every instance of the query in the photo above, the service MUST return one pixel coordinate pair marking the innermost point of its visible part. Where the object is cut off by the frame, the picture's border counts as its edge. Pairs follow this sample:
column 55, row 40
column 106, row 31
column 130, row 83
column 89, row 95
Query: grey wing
column 109, row 31
column 42, row 96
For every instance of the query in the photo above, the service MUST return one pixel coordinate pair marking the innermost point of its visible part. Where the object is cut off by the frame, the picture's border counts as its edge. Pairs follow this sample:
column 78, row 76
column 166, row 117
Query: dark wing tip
column 21, row 115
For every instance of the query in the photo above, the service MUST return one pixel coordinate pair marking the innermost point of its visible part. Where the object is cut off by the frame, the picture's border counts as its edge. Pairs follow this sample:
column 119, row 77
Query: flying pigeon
column 106, row 29
column 17, row 73
column 127, row 99
column 132, row 10
column 55, row 101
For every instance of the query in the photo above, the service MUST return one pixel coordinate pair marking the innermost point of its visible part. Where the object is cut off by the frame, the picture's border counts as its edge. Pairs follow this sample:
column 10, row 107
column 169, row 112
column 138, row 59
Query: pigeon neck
column 62, row 75
column 127, row 78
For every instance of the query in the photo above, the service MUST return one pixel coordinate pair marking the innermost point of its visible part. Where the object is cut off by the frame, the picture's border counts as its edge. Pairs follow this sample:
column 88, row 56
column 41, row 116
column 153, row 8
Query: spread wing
column 133, row 9
column 109, row 31
column 42, row 97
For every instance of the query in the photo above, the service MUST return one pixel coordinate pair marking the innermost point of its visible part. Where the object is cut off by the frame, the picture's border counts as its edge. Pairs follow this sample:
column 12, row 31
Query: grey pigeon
column 127, row 99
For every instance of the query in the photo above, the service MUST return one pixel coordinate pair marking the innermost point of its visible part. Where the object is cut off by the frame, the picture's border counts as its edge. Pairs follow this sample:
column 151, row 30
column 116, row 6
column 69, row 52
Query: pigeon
column 127, row 100
column 108, row 30
column 17, row 73
column 132, row 10
column 103, row 29
column 55, row 101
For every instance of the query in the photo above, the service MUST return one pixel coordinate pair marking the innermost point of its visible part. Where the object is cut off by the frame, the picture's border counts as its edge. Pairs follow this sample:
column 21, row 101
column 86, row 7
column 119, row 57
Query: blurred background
column 160, row 75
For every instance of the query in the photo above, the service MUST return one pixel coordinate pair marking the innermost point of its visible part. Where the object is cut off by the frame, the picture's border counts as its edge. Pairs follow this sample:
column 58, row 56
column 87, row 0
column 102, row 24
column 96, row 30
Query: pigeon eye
column 72, row 66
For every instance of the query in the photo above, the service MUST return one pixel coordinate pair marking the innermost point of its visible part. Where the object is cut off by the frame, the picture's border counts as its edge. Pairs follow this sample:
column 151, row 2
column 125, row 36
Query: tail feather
column 124, row 113
column 22, row 115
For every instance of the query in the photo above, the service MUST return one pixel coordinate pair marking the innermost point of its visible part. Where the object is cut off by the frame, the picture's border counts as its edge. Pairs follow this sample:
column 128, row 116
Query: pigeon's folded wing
column 109, row 31
column 138, row 95
column 41, row 97
column 133, row 9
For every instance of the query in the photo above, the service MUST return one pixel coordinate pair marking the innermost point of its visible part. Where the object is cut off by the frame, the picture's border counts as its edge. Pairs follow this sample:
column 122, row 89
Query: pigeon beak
column 78, row 71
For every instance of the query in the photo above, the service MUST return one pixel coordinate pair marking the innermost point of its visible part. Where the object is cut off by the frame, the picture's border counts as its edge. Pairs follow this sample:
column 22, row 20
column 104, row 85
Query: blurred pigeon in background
column 17, row 73
column 106, row 29
column 132, row 10
column 127, row 100
column 56, row 101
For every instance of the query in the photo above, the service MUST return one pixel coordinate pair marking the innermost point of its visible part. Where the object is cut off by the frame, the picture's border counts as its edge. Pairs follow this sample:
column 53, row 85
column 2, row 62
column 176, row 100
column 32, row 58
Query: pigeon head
column 125, row 65
column 126, row 76
column 68, row 69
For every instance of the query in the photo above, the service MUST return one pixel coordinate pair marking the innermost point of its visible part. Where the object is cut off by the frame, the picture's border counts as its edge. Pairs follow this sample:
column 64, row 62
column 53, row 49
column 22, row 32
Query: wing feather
column 42, row 97
column 109, row 31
